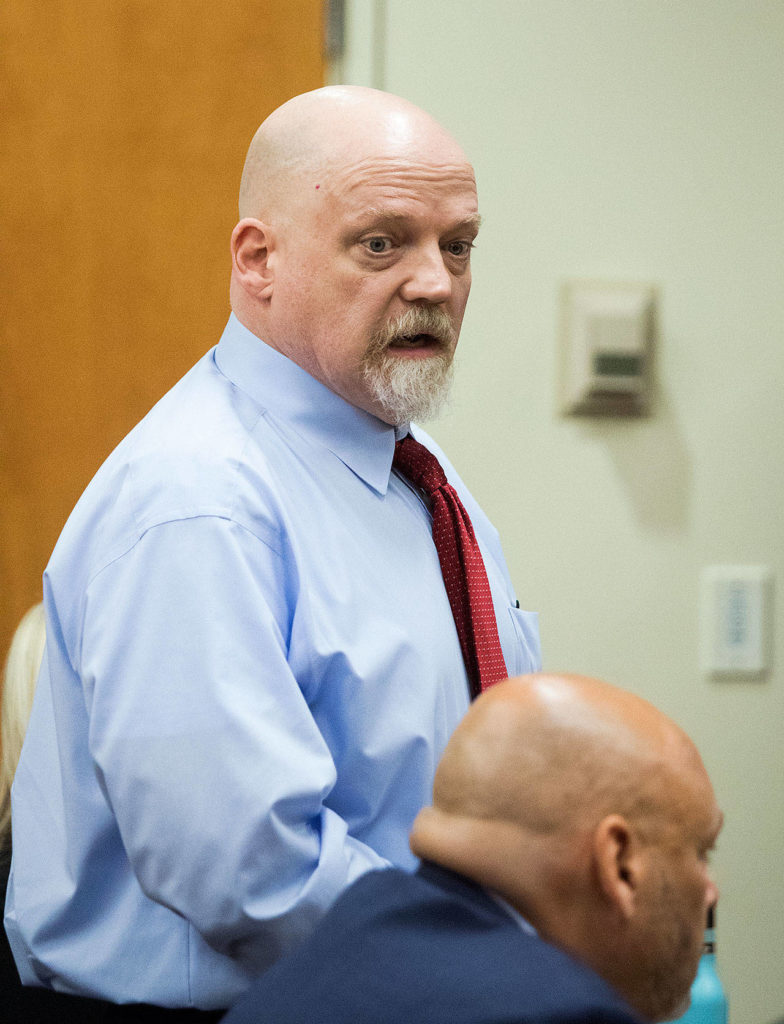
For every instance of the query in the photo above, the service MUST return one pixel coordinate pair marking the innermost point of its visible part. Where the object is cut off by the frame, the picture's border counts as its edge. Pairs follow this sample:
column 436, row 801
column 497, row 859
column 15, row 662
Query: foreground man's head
column 592, row 814
column 352, row 255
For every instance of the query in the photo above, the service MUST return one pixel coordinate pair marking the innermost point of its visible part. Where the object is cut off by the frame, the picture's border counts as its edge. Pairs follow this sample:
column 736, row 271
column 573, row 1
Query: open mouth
column 415, row 341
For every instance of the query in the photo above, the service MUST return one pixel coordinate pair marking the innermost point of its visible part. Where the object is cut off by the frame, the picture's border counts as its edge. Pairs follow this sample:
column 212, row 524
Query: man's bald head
column 303, row 140
column 581, row 804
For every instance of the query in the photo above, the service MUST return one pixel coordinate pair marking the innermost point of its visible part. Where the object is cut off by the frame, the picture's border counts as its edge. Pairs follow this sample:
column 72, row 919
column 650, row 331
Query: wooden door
column 124, row 128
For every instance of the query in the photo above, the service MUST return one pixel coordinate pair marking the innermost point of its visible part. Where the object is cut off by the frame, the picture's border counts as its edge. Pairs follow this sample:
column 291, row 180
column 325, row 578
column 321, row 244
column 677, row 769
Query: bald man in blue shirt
column 252, row 667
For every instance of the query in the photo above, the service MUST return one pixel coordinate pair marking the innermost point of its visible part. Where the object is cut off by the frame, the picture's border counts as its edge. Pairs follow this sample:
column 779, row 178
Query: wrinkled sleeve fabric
column 206, row 750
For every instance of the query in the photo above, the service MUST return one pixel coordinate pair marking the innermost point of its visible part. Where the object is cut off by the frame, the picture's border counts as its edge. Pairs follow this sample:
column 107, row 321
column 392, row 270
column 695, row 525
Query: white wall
column 641, row 140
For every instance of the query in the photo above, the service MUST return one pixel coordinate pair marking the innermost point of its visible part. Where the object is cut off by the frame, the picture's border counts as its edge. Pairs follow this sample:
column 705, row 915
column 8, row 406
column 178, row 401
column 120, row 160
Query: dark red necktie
column 465, row 578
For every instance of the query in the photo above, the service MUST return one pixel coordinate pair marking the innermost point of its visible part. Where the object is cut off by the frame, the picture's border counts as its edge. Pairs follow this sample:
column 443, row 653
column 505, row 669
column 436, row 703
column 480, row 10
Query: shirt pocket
column 527, row 650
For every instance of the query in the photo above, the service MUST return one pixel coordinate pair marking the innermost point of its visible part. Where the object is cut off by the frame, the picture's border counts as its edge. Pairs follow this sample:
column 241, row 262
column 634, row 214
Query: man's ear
column 252, row 244
column 619, row 862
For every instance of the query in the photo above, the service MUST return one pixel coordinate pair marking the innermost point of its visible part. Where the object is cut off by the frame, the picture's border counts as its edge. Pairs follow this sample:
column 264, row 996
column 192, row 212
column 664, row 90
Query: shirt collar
column 361, row 441
column 515, row 914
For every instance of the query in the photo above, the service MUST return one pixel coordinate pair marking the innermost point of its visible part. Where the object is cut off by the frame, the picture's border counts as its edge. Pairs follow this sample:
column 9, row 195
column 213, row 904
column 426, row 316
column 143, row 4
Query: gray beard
column 410, row 389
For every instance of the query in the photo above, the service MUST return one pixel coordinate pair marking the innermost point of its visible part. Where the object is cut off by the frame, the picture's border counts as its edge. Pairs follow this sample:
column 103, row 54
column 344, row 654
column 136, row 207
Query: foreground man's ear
column 252, row 244
column 619, row 863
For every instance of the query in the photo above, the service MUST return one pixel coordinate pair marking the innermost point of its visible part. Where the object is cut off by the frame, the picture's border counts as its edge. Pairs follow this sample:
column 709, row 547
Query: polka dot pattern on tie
column 462, row 567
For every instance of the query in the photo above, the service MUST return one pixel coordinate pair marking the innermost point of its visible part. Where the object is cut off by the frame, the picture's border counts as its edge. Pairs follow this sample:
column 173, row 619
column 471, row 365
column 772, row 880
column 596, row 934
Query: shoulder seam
column 181, row 517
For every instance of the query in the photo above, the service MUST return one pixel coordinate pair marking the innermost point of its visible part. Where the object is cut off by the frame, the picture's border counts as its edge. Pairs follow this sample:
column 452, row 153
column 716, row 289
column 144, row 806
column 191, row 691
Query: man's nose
column 428, row 278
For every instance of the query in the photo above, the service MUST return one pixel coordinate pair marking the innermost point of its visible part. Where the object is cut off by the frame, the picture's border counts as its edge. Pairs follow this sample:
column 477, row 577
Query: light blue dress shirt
column 251, row 672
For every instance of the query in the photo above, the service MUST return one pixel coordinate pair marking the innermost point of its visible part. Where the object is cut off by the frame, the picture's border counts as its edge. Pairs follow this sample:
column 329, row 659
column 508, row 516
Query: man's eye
column 378, row 244
column 458, row 248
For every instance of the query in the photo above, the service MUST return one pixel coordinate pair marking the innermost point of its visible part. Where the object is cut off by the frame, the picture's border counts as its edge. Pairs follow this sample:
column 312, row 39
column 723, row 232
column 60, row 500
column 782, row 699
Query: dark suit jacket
column 425, row 949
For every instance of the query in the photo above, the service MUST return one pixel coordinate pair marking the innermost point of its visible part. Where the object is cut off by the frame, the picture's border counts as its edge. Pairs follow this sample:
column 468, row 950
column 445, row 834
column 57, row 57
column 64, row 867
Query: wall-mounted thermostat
column 606, row 345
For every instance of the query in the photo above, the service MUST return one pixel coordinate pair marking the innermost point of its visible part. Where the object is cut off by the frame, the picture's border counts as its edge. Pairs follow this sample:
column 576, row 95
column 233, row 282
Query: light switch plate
column 735, row 619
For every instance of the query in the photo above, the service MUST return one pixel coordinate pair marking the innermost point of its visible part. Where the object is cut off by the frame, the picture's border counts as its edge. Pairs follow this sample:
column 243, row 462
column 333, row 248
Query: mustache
column 430, row 320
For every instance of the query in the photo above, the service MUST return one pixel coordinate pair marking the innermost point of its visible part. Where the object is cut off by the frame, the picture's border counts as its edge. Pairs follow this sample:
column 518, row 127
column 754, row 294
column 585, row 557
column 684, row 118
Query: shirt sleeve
column 203, row 742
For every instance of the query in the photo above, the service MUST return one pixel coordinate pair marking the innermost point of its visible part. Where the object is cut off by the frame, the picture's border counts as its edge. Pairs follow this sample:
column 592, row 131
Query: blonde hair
column 21, row 674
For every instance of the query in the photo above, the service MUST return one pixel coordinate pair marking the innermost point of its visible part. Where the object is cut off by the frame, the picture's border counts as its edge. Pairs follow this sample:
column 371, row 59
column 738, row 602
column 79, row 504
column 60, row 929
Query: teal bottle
column 708, row 1001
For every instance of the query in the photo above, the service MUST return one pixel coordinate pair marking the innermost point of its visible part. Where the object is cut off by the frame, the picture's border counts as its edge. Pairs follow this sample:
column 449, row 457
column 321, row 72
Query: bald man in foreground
column 564, row 877
column 252, row 664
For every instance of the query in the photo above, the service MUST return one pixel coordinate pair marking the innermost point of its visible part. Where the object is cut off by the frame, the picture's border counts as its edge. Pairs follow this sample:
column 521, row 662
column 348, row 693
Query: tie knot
column 420, row 465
